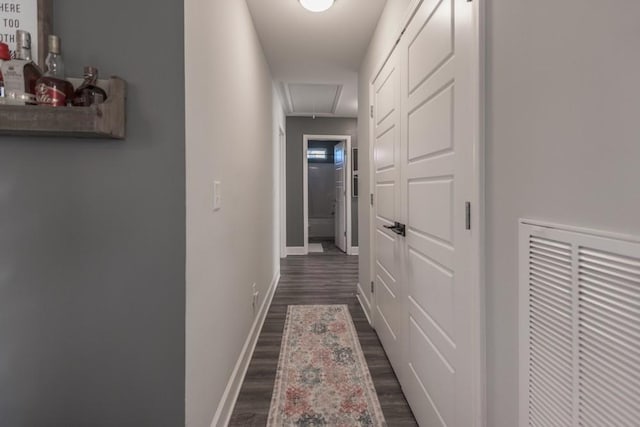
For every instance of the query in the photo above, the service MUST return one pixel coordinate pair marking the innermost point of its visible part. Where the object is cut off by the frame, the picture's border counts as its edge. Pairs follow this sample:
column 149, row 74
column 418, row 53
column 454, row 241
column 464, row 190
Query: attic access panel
column 309, row 98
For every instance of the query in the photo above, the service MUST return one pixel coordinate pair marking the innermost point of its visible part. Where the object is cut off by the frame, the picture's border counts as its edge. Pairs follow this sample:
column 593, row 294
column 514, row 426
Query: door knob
column 399, row 229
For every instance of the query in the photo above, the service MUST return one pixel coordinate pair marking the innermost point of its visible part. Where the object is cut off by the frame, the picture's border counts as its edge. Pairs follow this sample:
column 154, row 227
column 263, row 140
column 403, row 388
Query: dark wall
column 297, row 127
column 92, row 239
column 322, row 190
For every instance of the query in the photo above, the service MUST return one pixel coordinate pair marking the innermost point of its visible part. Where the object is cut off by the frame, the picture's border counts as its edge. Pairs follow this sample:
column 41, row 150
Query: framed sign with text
column 34, row 16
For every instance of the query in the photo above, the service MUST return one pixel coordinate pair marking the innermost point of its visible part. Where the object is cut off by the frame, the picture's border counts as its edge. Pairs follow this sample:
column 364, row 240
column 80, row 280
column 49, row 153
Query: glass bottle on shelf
column 21, row 74
column 52, row 89
column 89, row 93
column 5, row 55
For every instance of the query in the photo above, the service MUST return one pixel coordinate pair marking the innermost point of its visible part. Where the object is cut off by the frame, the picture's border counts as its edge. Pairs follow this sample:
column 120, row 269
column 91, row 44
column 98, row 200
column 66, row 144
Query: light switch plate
column 217, row 195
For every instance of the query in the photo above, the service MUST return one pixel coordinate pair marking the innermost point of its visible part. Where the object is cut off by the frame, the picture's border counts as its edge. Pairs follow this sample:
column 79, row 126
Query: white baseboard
column 364, row 303
column 297, row 250
column 231, row 392
column 355, row 250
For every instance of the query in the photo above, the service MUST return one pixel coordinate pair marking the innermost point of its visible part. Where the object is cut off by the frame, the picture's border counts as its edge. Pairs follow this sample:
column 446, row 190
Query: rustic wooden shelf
column 105, row 120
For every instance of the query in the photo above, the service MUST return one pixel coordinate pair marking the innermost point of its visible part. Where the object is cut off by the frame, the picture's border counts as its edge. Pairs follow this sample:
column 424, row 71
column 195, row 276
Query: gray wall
column 322, row 190
column 322, row 196
column 296, row 128
column 562, row 145
column 92, row 239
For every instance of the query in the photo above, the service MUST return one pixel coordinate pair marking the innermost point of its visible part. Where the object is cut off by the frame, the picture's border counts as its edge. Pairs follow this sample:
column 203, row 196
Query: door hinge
column 371, row 112
column 371, row 199
column 467, row 215
column 345, row 234
column 372, row 288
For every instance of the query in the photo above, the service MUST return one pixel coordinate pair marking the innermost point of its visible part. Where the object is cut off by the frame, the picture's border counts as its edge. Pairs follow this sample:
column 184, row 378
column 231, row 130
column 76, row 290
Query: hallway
column 495, row 225
column 325, row 278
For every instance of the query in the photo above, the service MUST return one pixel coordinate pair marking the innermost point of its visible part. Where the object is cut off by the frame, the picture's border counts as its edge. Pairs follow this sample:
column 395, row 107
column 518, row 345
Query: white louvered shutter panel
column 580, row 328
column 609, row 338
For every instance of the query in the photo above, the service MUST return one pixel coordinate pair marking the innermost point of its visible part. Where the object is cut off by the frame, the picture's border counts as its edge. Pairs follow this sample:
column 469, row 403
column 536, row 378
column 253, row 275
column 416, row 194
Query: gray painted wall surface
column 296, row 128
column 322, row 190
column 322, row 197
column 92, row 239
column 562, row 146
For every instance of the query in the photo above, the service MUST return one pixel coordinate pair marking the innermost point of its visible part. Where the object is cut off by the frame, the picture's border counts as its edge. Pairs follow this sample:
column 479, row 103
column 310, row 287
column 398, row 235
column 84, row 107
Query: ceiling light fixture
column 317, row 5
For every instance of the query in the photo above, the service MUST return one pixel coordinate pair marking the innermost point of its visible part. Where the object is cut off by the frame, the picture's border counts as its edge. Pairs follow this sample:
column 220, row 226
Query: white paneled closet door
column 437, row 181
column 427, row 280
column 389, row 306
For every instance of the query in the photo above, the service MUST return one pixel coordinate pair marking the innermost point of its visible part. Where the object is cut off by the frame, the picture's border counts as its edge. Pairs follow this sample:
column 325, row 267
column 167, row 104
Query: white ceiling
column 315, row 57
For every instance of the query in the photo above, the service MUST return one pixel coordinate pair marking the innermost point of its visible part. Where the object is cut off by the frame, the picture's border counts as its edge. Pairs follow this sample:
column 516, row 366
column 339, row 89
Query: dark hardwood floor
column 327, row 278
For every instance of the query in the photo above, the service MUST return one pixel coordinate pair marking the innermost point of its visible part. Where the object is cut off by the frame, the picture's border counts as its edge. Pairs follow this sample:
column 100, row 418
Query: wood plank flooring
column 329, row 248
column 328, row 278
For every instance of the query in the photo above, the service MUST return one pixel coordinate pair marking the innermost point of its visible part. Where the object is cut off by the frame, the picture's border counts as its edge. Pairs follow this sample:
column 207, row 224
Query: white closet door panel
column 442, row 165
column 388, row 177
column 432, row 330
column 437, row 160
column 434, row 370
column 386, row 256
column 425, row 127
column 430, row 208
column 433, row 122
column 431, row 288
column 386, row 95
column 388, row 312
column 384, row 149
column 428, row 90
column 440, row 252
column 432, row 45
column 387, row 296
column 426, row 412
column 386, row 201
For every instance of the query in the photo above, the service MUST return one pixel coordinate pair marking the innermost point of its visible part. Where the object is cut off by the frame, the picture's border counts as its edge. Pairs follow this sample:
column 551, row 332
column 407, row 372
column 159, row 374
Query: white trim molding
column 297, row 250
column 364, row 303
column 355, row 250
column 282, row 147
column 231, row 392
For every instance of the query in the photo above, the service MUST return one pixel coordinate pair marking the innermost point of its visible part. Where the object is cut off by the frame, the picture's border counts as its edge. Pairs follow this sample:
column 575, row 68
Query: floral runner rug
column 322, row 377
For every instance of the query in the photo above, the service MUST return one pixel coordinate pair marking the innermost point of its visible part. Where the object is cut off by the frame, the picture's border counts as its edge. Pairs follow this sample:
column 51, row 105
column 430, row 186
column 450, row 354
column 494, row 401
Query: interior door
column 437, row 181
column 426, row 257
column 389, row 305
column 341, row 192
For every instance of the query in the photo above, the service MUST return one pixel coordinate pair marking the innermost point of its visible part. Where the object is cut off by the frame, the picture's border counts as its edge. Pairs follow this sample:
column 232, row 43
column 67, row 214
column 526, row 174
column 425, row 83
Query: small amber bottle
column 89, row 93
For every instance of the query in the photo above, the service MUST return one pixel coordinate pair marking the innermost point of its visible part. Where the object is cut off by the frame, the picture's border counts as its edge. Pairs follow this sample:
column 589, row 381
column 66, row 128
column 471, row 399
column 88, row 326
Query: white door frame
column 478, row 288
column 305, row 184
column 372, row 197
column 282, row 144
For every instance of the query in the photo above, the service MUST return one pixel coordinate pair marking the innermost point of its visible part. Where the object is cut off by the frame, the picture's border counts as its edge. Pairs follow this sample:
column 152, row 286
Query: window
column 317, row 154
